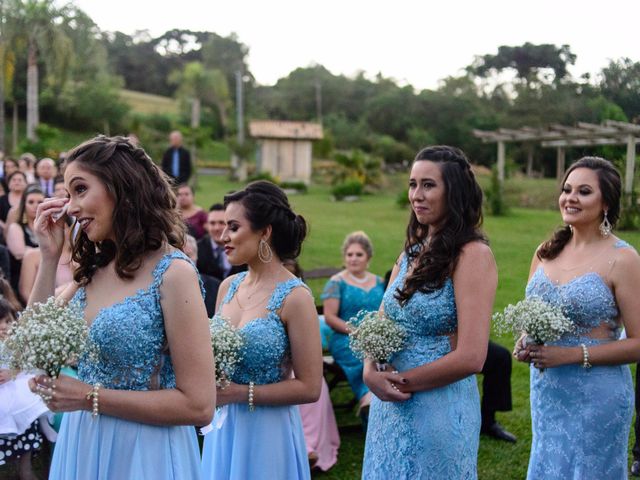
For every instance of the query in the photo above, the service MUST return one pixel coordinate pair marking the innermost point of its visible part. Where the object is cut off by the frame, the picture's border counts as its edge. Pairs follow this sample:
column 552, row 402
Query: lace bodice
column 353, row 298
column 266, row 354
column 435, row 433
column 427, row 318
column 586, row 300
column 128, row 340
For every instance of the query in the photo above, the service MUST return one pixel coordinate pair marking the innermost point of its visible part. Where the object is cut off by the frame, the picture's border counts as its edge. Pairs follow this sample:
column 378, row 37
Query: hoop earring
column 265, row 254
column 605, row 226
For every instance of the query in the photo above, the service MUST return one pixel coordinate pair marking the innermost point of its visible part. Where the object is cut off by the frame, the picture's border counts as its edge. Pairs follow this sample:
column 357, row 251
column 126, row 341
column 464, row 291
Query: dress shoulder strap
column 233, row 288
column 164, row 263
column 281, row 291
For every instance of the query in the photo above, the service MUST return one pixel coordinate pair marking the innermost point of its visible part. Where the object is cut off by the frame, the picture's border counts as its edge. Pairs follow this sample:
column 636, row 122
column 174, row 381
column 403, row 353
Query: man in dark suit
column 46, row 171
column 176, row 161
column 209, row 283
column 496, row 391
column 212, row 259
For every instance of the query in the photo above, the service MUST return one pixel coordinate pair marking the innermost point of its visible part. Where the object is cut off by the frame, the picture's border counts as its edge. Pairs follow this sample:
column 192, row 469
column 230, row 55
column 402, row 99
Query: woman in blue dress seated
column 582, row 402
column 425, row 420
column 258, row 434
column 345, row 294
column 150, row 376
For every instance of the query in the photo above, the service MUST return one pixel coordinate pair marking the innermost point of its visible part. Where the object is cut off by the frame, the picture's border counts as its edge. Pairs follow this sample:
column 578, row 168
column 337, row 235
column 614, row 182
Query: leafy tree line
column 58, row 65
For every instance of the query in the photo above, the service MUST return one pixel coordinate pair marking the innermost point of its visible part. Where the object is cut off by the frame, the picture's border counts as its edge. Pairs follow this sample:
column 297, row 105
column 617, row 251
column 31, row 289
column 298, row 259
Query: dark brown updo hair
column 461, row 225
column 611, row 188
column 266, row 204
column 144, row 216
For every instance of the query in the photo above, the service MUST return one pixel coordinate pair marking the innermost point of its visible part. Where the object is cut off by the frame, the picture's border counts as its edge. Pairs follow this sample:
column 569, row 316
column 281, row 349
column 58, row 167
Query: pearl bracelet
column 251, row 405
column 94, row 396
column 585, row 357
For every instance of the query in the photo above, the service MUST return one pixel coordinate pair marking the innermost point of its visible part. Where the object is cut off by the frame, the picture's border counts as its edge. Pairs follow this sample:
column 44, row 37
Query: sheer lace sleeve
column 331, row 290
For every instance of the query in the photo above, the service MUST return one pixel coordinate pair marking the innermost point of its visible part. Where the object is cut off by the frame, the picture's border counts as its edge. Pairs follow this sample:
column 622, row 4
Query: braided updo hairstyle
column 611, row 189
column 144, row 216
column 434, row 263
column 266, row 204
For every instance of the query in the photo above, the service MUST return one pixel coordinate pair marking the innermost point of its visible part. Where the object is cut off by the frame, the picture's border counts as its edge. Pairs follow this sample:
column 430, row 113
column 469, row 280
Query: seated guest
column 210, row 284
column 20, row 234
column 318, row 420
column 212, row 259
column 496, row 391
column 16, row 183
column 46, row 171
column 27, row 163
column 193, row 215
column 346, row 294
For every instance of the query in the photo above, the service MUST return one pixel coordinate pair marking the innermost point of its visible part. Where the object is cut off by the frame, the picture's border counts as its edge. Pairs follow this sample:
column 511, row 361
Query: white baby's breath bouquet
column 47, row 336
column 541, row 321
column 376, row 337
column 227, row 344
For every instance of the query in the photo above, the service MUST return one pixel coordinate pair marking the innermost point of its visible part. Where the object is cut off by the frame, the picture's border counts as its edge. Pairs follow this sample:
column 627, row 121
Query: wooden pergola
column 561, row 137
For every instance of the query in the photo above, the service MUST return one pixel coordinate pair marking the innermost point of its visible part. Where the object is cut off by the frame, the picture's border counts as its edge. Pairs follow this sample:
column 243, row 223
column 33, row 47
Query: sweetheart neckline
column 575, row 279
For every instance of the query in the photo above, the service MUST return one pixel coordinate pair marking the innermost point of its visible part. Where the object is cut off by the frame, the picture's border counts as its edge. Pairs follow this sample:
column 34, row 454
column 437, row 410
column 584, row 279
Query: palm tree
column 39, row 25
column 201, row 86
column 8, row 9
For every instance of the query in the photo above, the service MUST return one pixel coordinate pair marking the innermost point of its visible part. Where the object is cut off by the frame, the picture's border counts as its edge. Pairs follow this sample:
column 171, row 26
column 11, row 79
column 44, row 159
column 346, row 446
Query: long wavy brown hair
column 611, row 188
column 144, row 216
column 437, row 261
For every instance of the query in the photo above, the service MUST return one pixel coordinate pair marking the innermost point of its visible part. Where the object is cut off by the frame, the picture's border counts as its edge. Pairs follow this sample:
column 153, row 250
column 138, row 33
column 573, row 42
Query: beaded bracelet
column 585, row 357
column 251, row 405
column 94, row 396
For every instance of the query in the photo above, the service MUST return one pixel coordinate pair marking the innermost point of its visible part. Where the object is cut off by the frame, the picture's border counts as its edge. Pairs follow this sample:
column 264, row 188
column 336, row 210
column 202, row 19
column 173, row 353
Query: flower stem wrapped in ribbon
column 376, row 337
column 47, row 336
column 227, row 344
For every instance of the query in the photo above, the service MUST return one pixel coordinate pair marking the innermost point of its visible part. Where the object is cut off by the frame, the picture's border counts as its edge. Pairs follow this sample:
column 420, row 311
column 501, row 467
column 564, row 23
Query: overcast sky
column 412, row 41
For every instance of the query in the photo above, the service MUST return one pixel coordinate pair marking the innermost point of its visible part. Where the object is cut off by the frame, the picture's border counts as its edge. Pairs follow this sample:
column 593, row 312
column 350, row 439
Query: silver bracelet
column 250, row 400
column 585, row 357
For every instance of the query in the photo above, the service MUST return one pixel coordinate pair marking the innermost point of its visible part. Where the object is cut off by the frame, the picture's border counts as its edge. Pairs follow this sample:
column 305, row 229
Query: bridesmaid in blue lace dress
column 258, row 432
column 345, row 294
column 150, row 376
column 582, row 403
column 425, row 420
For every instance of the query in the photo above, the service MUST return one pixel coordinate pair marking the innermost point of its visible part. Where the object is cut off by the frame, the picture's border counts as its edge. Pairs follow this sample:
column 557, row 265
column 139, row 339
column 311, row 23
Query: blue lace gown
column 435, row 434
column 352, row 300
column 580, row 417
column 130, row 338
column 267, row 443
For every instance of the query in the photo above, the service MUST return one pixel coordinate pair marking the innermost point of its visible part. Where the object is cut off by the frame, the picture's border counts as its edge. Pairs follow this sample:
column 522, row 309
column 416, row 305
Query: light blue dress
column 131, row 355
column 435, row 434
column 267, row 443
column 580, row 417
column 352, row 300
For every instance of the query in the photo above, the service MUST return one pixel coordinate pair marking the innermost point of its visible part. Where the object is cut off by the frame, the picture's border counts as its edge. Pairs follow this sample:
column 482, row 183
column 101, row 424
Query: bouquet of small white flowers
column 541, row 321
column 376, row 337
column 227, row 344
column 47, row 336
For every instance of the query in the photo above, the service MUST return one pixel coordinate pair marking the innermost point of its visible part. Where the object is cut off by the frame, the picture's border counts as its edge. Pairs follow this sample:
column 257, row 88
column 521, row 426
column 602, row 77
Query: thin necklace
column 364, row 279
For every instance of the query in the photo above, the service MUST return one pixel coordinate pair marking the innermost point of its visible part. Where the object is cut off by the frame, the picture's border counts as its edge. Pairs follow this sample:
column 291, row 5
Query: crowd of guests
column 130, row 258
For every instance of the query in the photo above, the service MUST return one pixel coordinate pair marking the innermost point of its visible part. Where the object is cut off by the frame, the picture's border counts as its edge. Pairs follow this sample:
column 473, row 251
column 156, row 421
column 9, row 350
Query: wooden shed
column 284, row 148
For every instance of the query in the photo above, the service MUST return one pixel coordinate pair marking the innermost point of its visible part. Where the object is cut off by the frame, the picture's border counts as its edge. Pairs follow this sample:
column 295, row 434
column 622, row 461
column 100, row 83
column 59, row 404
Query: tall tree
column 531, row 63
column 620, row 83
column 8, row 9
column 202, row 85
column 39, row 23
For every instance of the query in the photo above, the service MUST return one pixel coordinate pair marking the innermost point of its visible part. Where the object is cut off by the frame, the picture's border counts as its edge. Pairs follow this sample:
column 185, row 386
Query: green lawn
column 513, row 240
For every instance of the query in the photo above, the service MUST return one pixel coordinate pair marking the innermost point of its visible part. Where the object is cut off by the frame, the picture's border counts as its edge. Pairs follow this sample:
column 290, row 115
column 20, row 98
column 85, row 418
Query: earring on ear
column 265, row 254
column 605, row 226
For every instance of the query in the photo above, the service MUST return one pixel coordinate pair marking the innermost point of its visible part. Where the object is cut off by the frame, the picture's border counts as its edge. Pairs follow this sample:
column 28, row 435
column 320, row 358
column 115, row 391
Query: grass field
column 148, row 104
column 513, row 241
